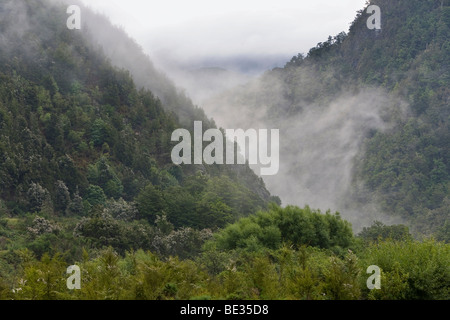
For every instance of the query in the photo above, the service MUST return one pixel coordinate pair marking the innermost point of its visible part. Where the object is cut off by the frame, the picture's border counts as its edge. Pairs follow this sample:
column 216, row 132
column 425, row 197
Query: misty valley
column 332, row 181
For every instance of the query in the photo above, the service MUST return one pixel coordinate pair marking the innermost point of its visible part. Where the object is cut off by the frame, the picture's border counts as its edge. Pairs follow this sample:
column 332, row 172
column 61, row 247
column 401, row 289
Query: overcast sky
column 195, row 30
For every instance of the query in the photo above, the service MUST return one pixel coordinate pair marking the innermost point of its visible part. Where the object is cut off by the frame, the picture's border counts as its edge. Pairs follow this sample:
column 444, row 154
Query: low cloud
column 319, row 143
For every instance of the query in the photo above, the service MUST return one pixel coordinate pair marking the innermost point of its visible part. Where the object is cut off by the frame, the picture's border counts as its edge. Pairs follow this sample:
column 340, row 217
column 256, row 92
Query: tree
column 41, row 225
column 102, row 230
column 379, row 231
column 341, row 278
column 122, row 210
column 180, row 206
column 54, row 132
column 95, row 195
column 42, row 280
column 100, row 132
column 103, row 175
column 212, row 212
column 62, row 197
column 417, row 270
column 150, row 203
column 76, row 204
column 37, row 197
column 269, row 229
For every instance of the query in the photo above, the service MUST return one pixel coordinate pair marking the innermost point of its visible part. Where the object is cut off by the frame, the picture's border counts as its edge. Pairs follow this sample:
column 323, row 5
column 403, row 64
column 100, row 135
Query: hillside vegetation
column 378, row 97
column 86, row 176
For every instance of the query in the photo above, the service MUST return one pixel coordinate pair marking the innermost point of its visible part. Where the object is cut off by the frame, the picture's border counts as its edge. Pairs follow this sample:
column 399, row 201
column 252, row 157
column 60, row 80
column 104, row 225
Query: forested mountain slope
column 364, row 118
column 79, row 139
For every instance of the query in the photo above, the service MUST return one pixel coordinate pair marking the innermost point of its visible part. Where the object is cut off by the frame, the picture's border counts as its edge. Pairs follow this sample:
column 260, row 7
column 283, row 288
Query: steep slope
column 364, row 118
column 124, row 53
column 80, row 139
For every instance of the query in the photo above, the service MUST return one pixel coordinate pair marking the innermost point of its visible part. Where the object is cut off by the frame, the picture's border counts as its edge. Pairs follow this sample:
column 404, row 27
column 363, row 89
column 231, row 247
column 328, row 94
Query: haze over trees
column 86, row 176
column 363, row 118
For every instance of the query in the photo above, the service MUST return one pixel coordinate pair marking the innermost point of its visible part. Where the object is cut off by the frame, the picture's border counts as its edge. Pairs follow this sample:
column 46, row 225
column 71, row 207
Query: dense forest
column 86, row 176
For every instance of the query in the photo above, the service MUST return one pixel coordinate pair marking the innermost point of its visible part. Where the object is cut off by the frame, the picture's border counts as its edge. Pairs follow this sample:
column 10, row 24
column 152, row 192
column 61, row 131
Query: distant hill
column 203, row 83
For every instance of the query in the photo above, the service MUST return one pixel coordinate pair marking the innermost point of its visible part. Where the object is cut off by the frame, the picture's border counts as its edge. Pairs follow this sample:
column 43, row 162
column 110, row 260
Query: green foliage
column 306, row 273
column 102, row 229
column 43, row 280
column 37, row 197
column 341, row 278
column 84, row 133
column 199, row 202
column 99, row 132
column 76, row 206
column 95, row 196
column 89, row 153
column 411, row 270
column 289, row 225
column 379, row 231
column 103, row 175
column 62, row 197
column 150, row 203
